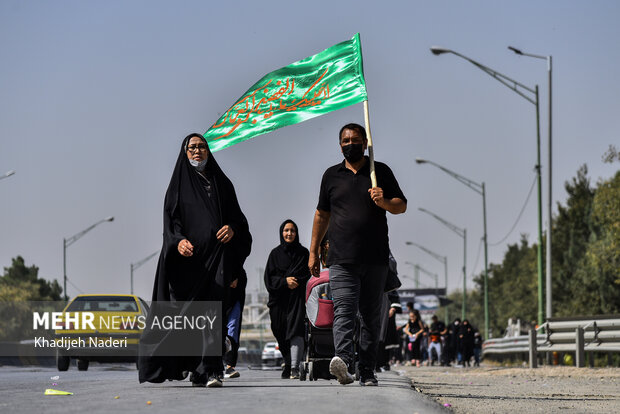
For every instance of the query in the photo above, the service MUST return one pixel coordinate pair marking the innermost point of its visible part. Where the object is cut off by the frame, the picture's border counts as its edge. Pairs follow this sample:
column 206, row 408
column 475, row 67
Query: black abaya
column 196, row 206
column 287, row 307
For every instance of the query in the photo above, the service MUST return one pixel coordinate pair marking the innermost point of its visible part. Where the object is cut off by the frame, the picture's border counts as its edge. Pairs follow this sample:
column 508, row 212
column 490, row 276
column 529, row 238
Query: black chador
column 196, row 206
column 287, row 307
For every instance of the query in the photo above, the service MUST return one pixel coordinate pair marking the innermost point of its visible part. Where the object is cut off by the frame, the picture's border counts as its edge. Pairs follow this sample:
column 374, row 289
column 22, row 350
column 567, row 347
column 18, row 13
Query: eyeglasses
column 199, row 147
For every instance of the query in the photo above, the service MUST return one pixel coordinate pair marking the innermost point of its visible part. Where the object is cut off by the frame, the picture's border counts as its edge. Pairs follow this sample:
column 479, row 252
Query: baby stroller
column 319, row 335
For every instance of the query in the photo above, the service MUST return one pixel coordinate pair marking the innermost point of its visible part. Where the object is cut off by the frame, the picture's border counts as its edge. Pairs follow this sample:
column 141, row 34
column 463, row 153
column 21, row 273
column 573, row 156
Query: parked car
column 115, row 337
column 271, row 355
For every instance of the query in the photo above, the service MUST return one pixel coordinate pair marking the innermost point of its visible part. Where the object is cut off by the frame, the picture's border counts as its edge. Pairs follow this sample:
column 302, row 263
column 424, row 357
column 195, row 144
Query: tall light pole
column 480, row 189
column 463, row 233
column 522, row 91
column 136, row 265
column 442, row 259
column 68, row 242
column 431, row 274
column 416, row 274
column 548, row 276
column 7, row 174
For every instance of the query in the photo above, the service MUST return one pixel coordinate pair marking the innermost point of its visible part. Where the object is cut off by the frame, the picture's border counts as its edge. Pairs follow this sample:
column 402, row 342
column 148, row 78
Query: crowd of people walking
column 458, row 344
column 207, row 240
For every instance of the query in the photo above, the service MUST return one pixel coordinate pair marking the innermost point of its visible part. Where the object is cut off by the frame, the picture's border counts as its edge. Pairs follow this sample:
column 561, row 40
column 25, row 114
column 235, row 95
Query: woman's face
column 412, row 316
column 289, row 233
column 196, row 149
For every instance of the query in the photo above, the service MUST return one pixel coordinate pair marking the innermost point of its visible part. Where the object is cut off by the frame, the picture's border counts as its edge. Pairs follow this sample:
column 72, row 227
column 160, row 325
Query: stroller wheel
column 311, row 371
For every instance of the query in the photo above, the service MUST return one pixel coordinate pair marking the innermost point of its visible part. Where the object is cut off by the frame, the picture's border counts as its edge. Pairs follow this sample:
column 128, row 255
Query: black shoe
column 367, row 378
column 197, row 380
column 231, row 373
column 294, row 373
column 286, row 372
column 214, row 381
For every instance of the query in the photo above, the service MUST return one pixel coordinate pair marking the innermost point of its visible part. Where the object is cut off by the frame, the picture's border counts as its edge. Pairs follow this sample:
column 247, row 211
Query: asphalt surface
column 256, row 391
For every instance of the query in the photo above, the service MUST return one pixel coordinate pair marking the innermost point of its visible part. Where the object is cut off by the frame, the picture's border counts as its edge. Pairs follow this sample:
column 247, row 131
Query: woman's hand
column 185, row 248
column 292, row 282
column 233, row 284
column 225, row 234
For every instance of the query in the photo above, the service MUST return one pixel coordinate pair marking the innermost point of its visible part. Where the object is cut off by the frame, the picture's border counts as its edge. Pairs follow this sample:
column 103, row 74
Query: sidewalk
column 501, row 390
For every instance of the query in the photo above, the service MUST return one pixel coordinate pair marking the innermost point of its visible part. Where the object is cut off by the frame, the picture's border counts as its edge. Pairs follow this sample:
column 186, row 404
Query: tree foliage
column 22, row 283
column 22, row 292
column 585, row 260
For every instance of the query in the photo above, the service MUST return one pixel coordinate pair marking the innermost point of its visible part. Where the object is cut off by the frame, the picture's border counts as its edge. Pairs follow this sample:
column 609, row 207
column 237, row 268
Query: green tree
column 30, row 286
column 598, row 273
column 571, row 235
column 21, row 292
column 513, row 287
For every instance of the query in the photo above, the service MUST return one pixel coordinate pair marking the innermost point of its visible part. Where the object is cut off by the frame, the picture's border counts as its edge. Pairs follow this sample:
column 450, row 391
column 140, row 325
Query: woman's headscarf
column 190, row 213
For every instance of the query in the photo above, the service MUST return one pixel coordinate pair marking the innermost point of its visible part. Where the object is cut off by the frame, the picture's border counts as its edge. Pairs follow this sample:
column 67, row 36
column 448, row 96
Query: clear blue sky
column 97, row 96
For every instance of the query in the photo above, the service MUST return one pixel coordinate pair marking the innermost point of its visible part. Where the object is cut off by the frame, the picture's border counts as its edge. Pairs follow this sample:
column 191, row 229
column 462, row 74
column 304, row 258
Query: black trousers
column 357, row 288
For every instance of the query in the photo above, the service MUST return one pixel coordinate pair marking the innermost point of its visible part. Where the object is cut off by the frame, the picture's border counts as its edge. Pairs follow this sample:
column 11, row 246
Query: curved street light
column 69, row 241
column 136, row 265
column 463, row 233
column 416, row 275
column 7, row 174
column 442, row 259
column 480, row 189
column 523, row 91
column 548, row 275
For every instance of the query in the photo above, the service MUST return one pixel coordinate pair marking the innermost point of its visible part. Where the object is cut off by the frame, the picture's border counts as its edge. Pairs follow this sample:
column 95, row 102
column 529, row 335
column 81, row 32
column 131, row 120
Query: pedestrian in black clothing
column 466, row 342
column 389, row 336
column 452, row 341
column 437, row 329
column 415, row 332
column 358, row 256
column 205, row 242
column 477, row 348
column 286, row 275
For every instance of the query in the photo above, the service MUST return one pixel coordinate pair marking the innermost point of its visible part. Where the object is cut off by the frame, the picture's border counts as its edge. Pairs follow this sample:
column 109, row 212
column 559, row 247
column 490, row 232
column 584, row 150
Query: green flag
column 316, row 85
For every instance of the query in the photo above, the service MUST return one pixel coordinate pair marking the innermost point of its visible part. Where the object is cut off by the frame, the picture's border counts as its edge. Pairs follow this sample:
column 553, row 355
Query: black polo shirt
column 358, row 230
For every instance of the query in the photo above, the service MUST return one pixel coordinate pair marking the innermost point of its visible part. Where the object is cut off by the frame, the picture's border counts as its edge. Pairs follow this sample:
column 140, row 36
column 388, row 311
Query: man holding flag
column 355, row 212
column 354, row 195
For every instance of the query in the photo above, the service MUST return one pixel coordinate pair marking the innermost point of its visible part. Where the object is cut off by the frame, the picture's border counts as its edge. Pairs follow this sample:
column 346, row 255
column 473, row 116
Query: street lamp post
column 463, row 233
column 548, row 277
column 68, row 242
column 7, row 174
column 431, row 274
column 442, row 259
column 521, row 90
column 416, row 274
column 136, row 265
column 480, row 189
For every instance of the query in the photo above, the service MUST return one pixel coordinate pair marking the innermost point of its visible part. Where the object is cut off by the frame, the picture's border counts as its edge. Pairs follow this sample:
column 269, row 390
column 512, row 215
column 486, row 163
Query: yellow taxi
column 102, row 328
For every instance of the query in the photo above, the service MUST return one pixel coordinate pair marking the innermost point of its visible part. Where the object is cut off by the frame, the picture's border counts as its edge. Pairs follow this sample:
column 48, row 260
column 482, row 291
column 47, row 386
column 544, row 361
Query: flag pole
column 371, row 152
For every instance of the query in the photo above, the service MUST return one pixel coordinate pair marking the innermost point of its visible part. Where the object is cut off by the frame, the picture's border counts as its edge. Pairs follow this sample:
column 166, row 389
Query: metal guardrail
column 578, row 335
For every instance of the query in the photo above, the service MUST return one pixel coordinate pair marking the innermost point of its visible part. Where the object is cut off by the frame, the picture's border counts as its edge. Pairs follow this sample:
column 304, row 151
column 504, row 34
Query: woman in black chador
column 206, row 241
column 286, row 275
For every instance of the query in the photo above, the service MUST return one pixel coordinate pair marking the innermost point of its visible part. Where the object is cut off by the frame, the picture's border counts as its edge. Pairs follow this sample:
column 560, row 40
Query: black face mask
column 353, row 152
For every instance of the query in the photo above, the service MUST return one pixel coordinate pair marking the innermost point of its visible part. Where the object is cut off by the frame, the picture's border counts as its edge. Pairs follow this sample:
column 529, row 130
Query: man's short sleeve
column 324, row 203
column 388, row 183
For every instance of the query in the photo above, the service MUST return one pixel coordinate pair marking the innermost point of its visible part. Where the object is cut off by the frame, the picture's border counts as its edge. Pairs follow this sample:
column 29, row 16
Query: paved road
column 256, row 391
